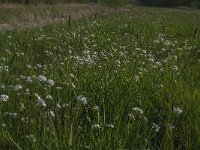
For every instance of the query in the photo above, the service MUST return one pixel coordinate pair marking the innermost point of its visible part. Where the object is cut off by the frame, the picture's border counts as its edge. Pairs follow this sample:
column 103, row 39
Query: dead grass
column 21, row 16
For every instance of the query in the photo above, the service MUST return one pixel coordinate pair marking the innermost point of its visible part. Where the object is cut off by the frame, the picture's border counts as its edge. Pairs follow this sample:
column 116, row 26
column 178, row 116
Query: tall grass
column 122, row 82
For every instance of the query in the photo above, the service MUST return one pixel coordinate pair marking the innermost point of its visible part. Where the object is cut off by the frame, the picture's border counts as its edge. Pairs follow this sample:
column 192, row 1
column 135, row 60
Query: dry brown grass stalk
column 22, row 16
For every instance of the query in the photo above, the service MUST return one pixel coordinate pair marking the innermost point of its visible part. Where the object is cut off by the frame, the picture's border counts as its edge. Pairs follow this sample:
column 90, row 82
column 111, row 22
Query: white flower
column 110, row 126
column 177, row 110
column 138, row 110
column 38, row 66
column 3, row 125
column 49, row 97
column 50, row 82
column 4, row 68
column 27, row 91
column 42, row 78
column 155, row 127
column 137, row 78
column 14, row 115
column 52, row 113
column 71, row 75
column 175, row 68
column 145, row 118
column 82, row 99
column 29, row 66
column 26, row 119
column 171, row 127
column 2, row 86
column 58, row 105
column 95, row 108
column 17, row 87
column 28, row 79
column 40, row 101
column 65, row 105
column 59, row 88
column 131, row 117
column 73, row 85
column 4, row 98
column 3, row 59
column 96, row 126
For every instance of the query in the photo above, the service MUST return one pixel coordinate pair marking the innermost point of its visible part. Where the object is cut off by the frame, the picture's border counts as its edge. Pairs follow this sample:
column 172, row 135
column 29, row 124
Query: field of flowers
column 128, row 81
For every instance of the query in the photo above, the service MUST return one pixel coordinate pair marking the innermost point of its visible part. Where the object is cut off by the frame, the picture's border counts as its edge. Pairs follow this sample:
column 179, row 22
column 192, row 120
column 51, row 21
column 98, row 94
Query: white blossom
column 177, row 110
column 40, row 101
column 110, row 126
column 17, row 87
column 50, row 82
column 49, row 97
column 155, row 127
column 52, row 114
column 4, row 98
column 38, row 66
column 14, row 115
column 82, row 99
column 96, row 126
column 140, row 111
column 171, row 127
column 42, row 78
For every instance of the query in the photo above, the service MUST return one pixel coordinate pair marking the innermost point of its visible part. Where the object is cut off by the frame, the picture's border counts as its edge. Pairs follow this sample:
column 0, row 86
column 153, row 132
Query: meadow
column 124, row 81
column 13, row 16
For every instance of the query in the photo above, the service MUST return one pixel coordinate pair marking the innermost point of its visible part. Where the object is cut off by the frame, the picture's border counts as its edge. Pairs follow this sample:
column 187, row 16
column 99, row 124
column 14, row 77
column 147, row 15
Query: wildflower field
column 125, row 81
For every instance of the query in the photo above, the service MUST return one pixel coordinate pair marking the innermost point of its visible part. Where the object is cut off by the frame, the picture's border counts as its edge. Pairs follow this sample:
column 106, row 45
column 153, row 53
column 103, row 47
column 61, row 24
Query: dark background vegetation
column 170, row 3
column 109, row 2
column 163, row 3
